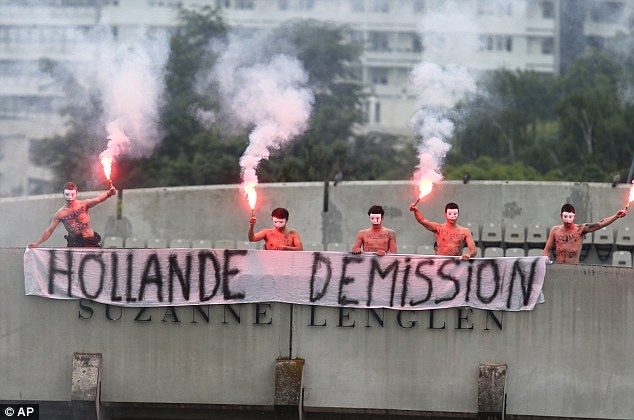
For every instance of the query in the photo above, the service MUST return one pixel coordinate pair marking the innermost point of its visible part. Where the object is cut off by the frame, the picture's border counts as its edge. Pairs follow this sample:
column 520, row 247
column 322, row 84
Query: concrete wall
column 570, row 357
column 220, row 212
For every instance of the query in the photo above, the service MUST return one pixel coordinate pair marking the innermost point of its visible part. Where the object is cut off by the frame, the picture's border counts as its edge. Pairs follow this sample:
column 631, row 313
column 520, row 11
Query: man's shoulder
column 62, row 211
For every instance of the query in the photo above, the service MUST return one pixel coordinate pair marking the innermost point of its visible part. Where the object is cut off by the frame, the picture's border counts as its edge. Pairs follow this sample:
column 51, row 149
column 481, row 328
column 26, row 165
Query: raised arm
column 101, row 197
column 430, row 226
column 255, row 237
column 591, row 227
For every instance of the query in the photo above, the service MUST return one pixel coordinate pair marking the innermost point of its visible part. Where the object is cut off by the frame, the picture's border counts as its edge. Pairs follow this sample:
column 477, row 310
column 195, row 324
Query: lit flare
column 424, row 187
column 631, row 197
column 106, row 162
column 252, row 195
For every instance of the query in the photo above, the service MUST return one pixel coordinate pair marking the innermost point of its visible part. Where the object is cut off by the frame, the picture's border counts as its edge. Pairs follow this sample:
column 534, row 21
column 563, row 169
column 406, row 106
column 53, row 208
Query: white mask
column 279, row 223
column 375, row 218
column 452, row 214
column 70, row 195
column 567, row 217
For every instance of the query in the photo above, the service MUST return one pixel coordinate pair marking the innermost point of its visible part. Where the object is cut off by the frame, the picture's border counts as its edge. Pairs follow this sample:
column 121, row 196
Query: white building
column 540, row 35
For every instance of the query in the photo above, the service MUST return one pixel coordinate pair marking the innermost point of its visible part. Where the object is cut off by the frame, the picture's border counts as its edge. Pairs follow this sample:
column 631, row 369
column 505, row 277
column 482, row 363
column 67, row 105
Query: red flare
column 252, row 195
column 106, row 162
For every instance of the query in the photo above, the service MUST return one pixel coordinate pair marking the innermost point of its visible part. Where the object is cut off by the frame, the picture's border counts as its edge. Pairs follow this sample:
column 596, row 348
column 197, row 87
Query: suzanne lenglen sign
column 187, row 277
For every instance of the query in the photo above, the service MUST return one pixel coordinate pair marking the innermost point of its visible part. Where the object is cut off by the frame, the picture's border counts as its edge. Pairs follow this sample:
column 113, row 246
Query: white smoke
column 206, row 118
column 129, row 78
column 265, row 92
column 450, row 36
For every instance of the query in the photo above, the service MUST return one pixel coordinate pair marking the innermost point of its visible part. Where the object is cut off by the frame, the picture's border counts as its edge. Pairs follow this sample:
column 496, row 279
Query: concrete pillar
column 85, row 391
column 491, row 391
column 289, row 378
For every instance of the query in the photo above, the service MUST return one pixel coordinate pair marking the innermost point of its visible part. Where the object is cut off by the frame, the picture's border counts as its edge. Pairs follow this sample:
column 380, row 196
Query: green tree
column 331, row 146
column 504, row 118
column 323, row 150
column 190, row 154
column 71, row 157
column 594, row 119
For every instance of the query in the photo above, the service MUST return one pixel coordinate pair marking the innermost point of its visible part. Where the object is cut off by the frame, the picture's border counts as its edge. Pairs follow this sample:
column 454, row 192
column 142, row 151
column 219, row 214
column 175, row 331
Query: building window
column 548, row 46
column 356, row 37
column 378, row 76
column 24, row 106
column 306, row 4
column 377, row 112
column 357, row 5
column 245, row 4
column 496, row 43
column 419, row 7
column 378, row 41
column 380, row 6
column 548, row 9
column 487, row 7
column 417, row 44
column 595, row 42
column 607, row 12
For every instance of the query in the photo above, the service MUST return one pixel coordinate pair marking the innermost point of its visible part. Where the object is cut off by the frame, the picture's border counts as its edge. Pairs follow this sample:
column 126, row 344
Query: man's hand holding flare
column 112, row 191
column 252, row 220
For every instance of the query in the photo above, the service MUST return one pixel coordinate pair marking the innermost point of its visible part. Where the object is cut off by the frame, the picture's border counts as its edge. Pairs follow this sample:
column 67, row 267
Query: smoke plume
column 451, row 37
column 265, row 92
column 128, row 78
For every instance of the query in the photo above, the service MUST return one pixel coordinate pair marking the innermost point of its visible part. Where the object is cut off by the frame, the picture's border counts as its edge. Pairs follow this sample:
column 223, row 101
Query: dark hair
column 568, row 208
column 451, row 206
column 70, row 186
column 376, row 210
column 280, row 213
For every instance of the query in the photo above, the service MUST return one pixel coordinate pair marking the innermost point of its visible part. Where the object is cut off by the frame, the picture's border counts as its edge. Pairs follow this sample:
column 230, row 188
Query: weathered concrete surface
column 491, row 388
column 86, row 376
column 289, row 376
column 86, row 386
column 289, row 380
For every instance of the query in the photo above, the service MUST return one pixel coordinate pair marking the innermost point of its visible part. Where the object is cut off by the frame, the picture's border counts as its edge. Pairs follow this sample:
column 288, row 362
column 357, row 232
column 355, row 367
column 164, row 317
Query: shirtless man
column 568, row 238
column 75, row 218
column 451, row 237
column 280, row 237
column 376, row 238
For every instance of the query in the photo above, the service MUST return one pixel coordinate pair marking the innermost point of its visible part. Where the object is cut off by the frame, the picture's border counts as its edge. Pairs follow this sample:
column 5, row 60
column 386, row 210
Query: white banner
column 175, row 277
